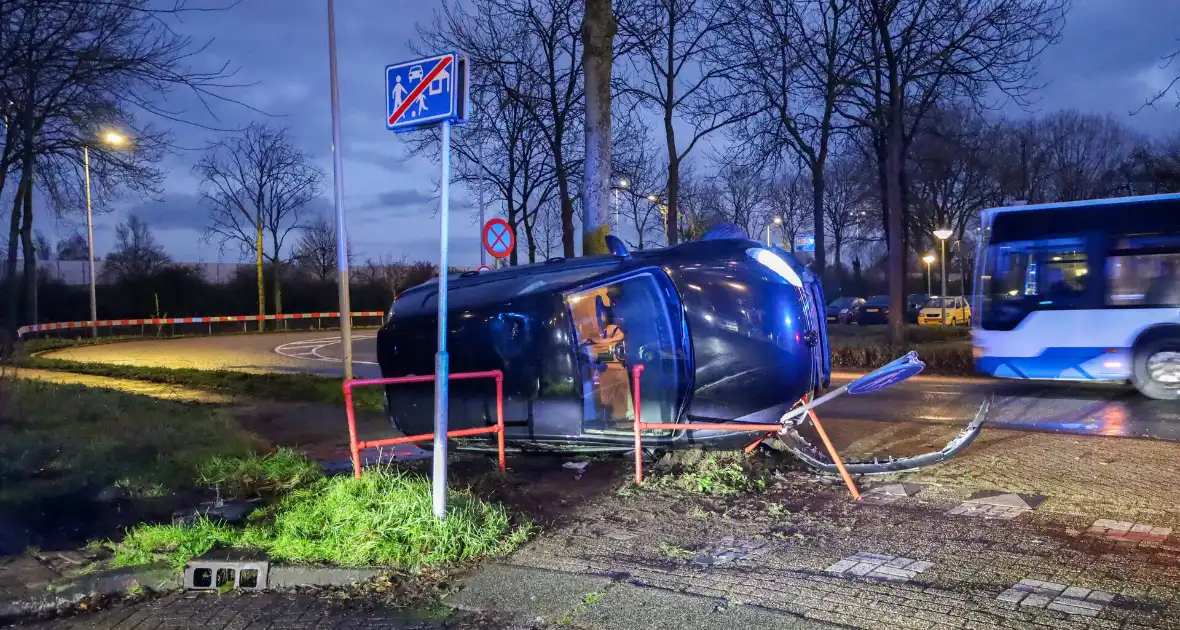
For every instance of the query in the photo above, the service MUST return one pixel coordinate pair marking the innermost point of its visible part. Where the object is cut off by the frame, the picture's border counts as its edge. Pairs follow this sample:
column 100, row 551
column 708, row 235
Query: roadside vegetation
column 284, row 387
column 945, row 349
column 385, row 518
column 81, row 464
column 716, row 473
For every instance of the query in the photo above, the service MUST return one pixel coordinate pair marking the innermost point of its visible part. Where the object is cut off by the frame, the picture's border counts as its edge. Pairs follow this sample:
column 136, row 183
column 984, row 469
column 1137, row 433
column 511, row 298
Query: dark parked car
column 913, row 305
column 874, row 311
column 843, row 310
column 727, row 331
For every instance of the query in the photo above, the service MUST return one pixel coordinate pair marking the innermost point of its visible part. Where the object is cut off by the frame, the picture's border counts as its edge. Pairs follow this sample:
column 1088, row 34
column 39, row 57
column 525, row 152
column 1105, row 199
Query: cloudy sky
column 1107, row 62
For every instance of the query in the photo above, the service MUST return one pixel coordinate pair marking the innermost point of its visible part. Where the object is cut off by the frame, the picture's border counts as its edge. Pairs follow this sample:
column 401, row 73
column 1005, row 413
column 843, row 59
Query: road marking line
column 308, row 349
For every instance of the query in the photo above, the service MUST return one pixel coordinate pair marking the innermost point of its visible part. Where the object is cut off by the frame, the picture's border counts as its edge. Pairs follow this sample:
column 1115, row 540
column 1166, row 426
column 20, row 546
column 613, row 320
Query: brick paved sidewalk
column 273, row 611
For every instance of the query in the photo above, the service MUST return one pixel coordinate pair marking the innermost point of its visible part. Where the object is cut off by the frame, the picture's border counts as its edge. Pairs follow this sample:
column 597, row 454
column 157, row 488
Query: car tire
column 1156, row 368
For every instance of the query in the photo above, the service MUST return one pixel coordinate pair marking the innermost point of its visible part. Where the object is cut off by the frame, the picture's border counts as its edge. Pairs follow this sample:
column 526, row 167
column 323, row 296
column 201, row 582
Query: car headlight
column 772, row 261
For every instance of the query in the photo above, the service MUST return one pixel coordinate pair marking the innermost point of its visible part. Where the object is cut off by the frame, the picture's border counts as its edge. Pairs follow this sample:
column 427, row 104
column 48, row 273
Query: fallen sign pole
column 419, row 94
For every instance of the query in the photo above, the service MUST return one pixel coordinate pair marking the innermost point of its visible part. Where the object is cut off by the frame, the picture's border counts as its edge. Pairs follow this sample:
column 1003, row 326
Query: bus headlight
column 976, row 352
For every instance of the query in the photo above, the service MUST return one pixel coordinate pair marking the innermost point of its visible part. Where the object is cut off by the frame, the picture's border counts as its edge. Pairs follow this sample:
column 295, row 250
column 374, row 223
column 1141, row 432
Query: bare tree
column 1174, row 84
column 669, row 44
column 790, row 200
column 73, row 247
column 256, row 184
column 954, row 164
column 315, row 251
column 69, row 69
column 136, row 252
column 531, row 51
column 913, row 54
column 844, row 200
column 740, row 193
column 797, row 58
column 642, row 205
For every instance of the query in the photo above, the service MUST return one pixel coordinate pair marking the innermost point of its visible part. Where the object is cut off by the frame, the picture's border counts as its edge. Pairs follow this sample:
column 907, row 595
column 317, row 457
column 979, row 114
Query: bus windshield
column 1032, row 275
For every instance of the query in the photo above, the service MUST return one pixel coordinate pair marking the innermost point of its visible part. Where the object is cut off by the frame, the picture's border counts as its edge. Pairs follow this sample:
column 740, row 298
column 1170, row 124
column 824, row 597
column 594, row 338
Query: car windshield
column 878, row 300
column 841, row 303
column 938, row 302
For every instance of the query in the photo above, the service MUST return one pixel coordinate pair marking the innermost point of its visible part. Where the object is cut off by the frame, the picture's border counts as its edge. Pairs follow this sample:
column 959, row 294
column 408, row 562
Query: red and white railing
column 158, row 321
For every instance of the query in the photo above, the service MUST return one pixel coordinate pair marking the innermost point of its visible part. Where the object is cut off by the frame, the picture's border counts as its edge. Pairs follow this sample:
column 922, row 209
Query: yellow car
column 958, row 311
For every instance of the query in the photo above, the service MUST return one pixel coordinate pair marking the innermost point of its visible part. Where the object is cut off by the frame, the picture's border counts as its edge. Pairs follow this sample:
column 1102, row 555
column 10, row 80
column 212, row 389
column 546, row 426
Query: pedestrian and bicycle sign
column 426, row 91
column 498, row 238
column 423, row 93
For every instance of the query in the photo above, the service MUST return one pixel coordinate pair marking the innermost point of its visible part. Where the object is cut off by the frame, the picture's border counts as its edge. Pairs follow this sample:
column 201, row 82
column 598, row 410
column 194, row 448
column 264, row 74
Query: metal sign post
column 338, row 195
column 422, row 93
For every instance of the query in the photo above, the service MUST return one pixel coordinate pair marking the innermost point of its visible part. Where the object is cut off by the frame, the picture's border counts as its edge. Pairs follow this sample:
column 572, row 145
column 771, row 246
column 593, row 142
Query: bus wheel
column 1157, row 368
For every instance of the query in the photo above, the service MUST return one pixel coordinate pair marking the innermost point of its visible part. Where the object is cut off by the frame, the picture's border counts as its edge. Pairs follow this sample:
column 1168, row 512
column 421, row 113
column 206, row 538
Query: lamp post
column 111, row 139
column 942, row 235
column 928, row 258
column 777, row 221
column 622, row 184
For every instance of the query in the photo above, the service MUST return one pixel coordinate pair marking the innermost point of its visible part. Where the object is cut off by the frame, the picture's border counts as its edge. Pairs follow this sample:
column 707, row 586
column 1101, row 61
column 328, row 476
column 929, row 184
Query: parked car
column 874, row 311
column 913, row 305
column 727, row 330
column 958, row 311
column 843, row 310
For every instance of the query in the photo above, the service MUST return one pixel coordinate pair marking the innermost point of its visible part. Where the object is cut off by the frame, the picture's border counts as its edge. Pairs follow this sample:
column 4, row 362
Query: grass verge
column 385, row 518
column 285, row 387
column 59, row 439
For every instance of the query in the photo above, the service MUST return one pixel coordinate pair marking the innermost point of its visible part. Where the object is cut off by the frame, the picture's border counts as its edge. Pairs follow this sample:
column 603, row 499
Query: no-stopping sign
column 498, row 238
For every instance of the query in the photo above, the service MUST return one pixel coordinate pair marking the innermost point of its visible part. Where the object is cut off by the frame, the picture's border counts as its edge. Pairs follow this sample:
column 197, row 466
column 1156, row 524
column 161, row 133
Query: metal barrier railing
column 356, row 446
column 639, row 425
column 173, row 321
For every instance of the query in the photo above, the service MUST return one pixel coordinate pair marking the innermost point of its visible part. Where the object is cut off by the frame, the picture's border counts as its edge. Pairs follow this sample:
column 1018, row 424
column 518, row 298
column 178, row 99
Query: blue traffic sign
column 805, row 243
column 423, row 91
column 887, row 375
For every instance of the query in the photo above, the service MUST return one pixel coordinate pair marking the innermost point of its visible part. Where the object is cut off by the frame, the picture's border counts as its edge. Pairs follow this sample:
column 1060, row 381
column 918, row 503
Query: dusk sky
column 1108, row 61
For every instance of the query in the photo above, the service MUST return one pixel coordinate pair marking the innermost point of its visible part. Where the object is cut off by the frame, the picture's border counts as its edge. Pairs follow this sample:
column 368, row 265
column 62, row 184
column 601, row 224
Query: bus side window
column 1144, row 272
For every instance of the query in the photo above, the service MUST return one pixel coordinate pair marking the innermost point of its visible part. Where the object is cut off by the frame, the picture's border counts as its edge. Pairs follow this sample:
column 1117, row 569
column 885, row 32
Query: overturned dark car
column 726, row 329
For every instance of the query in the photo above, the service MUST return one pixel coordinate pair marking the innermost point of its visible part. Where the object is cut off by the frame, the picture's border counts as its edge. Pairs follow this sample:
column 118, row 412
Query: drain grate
column 211, row 574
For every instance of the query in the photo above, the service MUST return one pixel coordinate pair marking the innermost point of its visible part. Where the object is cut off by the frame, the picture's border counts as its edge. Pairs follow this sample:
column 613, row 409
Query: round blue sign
column 885, row 376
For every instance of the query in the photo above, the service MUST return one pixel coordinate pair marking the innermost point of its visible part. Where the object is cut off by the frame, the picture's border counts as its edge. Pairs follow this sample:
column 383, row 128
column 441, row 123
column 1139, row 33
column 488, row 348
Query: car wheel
column 1157, row 368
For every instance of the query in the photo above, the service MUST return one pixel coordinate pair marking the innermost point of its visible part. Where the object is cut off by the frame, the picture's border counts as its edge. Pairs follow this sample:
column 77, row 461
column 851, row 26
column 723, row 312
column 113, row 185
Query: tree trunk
column 278, row 287
column 29, row 245
column 10, row 264
column 598, row 32
column 261, row 281
column 513, row 256
column 895, row 222
column 673, row 193
column 817, row 217
column 567, row 206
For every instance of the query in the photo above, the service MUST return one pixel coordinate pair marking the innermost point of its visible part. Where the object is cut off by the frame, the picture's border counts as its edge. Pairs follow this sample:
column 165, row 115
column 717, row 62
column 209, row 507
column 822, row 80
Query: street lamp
column 110, row 139
column 942, row 235
column 777, row 221
column 928, row 258
column 622, row 184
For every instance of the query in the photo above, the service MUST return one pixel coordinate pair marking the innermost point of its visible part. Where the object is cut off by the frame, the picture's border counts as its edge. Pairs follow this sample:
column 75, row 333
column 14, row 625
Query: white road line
column 309, row 349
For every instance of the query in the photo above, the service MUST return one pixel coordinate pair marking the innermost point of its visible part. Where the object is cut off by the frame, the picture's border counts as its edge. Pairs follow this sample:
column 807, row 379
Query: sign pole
column 338, row 194
column 441, row 367
column 483, row 253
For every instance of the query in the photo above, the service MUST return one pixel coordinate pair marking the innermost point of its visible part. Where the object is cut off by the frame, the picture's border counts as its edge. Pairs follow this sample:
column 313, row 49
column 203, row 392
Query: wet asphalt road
column 1052, row 407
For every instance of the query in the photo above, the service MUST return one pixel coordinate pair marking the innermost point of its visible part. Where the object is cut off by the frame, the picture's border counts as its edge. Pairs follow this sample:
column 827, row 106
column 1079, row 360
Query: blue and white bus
column 1081, row 291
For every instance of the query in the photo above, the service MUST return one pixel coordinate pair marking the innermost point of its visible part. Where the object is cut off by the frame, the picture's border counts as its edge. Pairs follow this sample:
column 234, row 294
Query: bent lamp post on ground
column 355, row 446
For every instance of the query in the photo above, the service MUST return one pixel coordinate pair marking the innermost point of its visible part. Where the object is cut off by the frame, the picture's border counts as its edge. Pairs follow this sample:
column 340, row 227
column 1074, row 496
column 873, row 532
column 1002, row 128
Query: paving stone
column 1072, row 600
column 878, row 566
column 988, row 511
column 1128, row 531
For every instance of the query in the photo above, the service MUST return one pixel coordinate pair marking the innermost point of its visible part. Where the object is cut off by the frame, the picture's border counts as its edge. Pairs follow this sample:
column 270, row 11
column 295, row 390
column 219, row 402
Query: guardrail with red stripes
column 158, row 321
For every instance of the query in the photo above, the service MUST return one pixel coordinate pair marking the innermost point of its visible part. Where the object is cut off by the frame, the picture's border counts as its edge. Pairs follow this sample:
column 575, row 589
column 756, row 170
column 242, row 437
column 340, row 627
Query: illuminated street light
column 777, row 221
column 652, row 198
column 112, row 139
column 928, row 259
column 942, row 235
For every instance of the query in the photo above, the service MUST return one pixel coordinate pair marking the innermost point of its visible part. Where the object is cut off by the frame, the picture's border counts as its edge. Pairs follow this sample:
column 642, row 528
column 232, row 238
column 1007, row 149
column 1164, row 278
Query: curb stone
column 68, row 592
